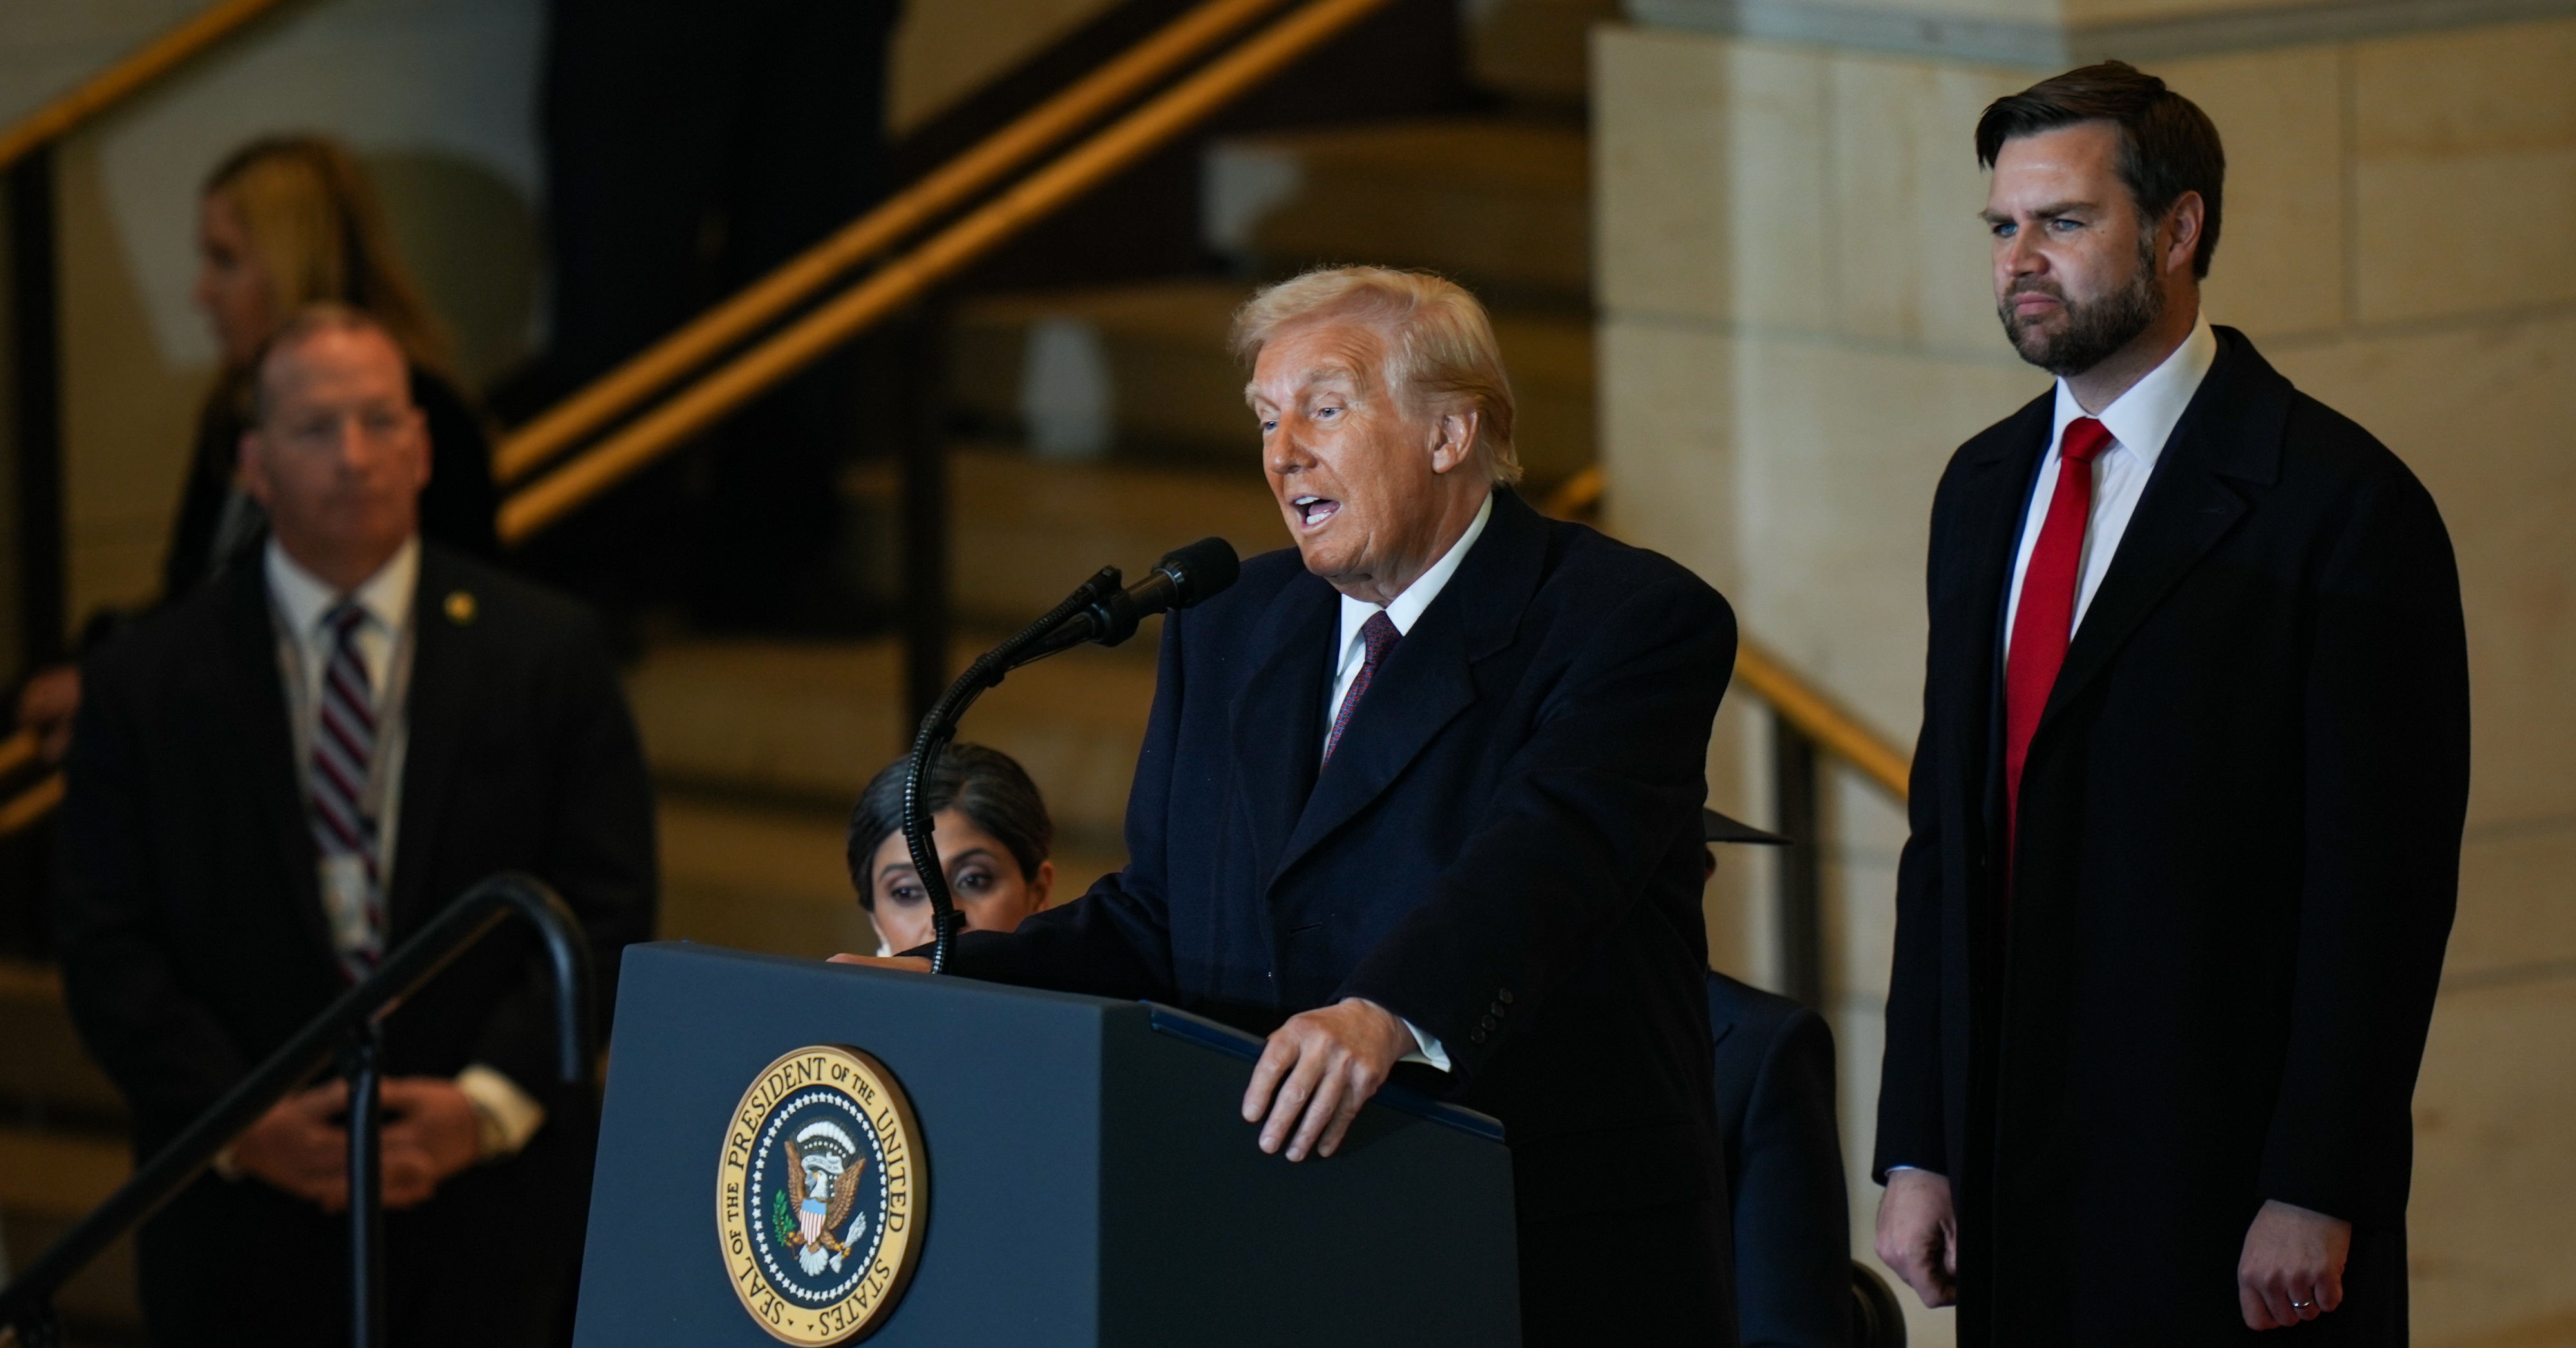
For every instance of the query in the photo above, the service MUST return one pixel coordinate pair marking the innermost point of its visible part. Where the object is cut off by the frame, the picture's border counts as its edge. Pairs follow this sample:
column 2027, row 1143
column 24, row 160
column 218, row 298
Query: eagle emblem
column 831, row 1166
column 820, row 1196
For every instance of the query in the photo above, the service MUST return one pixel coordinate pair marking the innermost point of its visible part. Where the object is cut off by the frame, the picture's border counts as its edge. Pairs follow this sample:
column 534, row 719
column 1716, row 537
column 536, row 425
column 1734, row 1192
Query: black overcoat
column 193, row 941
column 1504, row 850
column 2239, row 854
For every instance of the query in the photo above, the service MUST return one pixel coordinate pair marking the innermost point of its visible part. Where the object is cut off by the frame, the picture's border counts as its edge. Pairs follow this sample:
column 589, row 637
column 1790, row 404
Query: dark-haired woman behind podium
column 992, row 831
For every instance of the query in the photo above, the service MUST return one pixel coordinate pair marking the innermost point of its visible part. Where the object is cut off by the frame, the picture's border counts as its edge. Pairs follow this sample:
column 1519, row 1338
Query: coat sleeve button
column 1477, row 1038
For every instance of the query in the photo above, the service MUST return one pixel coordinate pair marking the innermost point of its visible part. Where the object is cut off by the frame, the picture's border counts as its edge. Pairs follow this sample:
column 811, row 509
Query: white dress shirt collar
column 303, row 597
column 2142, row 419
column 1408, row 606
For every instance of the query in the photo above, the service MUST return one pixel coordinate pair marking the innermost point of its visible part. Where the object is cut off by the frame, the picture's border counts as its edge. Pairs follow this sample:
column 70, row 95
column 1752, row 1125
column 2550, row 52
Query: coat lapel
column 1429, row 678
column 437, row 716
column 1996, row 496
column 2232, row 429
column 1278, row 717
column 276, row 780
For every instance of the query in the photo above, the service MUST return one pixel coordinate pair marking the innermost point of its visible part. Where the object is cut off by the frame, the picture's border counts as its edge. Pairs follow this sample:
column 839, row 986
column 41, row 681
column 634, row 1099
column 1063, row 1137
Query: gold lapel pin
column 460, row 607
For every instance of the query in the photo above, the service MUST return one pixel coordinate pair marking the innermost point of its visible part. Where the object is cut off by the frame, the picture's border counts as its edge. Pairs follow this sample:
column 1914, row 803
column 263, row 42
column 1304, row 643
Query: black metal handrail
column 26, row 1304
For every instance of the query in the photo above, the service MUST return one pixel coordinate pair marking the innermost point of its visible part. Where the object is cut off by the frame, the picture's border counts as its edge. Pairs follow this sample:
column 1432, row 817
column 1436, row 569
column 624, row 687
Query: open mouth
column 1312, row 511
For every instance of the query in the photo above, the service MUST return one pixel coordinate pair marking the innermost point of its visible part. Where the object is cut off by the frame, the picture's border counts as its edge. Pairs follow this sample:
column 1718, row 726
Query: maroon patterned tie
column 1378, row 634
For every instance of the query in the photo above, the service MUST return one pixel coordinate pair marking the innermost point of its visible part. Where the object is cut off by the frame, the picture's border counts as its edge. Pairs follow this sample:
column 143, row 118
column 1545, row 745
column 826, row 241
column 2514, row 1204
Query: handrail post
column 27, row 1299
column 35, row 320
column 1798, row 913
column 920, row 391
column 362, row 1066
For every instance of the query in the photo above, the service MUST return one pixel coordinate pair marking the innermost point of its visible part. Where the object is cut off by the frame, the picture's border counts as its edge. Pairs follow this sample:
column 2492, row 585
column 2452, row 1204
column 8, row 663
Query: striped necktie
column 344, row 746
column 1377, row 637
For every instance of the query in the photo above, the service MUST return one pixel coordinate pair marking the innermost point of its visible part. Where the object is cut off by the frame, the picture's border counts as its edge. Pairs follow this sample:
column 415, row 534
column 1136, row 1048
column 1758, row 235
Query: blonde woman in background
column 282, row 223
column 286, row 222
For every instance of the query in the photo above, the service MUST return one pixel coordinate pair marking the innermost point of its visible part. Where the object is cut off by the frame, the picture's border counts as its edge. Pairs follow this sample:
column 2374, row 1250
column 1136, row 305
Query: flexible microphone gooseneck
column 1099, row 611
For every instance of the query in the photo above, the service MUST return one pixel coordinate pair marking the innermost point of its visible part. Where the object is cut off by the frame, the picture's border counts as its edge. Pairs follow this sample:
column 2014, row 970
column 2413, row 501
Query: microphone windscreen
column 1202, row 569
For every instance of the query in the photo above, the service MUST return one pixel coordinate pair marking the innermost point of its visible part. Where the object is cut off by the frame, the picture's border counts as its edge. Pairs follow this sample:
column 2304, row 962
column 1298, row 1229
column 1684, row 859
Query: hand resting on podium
column 1322, row 1065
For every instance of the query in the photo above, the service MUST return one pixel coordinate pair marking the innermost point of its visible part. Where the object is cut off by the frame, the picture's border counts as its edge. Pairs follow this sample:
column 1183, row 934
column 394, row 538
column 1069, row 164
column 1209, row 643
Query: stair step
column 1535, row 51
column 807, row 724
column 1502, row 204
column 55, row 1174
column 49, row 1180
column 1142, row 373
column 45, row 1074
column 1025, row 531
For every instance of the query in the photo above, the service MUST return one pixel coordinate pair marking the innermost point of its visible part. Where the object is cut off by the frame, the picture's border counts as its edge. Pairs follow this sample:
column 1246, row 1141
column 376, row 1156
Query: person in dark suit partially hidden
column 1427, row 790
column 1784, row 1168
column 1784, row 1153
column 274, row 782
column 2187, row 805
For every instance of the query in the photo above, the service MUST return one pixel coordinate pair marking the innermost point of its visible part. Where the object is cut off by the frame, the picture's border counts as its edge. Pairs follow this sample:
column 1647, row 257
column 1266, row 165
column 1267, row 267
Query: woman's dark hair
column 2168, row 146
column 985, row 785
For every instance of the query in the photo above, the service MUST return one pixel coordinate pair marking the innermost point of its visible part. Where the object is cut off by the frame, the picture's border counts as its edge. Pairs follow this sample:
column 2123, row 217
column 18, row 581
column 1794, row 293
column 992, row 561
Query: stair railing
column 904, row 280
column 18, row 754
column 529, row 447
column 344, row 1031
column 1807, row 726
column 182, row 43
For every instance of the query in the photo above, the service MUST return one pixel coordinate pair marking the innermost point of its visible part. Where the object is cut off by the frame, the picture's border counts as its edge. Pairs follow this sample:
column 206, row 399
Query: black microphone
column 1184, row 577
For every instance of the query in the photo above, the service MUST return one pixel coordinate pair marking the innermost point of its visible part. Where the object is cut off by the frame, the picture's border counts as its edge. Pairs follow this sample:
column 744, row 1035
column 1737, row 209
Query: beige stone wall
column 1796, row 333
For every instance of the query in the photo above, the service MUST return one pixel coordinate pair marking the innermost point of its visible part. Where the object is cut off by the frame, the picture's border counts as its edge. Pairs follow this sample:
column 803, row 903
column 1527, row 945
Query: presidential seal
column 820, row 1196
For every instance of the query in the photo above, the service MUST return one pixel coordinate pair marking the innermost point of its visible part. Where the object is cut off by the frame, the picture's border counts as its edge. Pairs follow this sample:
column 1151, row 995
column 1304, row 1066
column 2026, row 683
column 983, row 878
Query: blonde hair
column 320, row 236
column 1440, row 341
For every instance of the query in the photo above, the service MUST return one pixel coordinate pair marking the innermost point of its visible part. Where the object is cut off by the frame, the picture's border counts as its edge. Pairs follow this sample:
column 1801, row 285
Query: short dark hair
column 2168, row 146
column 986, row 785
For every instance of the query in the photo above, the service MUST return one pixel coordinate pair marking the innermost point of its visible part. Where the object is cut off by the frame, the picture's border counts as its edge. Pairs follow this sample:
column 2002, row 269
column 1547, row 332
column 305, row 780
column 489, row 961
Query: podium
column 794, row 1151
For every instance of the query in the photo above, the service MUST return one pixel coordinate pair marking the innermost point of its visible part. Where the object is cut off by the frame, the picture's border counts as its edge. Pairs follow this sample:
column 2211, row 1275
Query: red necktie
column 2046, row 618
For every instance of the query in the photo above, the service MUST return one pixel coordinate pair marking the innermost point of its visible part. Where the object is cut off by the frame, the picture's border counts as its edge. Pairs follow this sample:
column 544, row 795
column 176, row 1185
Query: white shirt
column 1404, row 613
column 302, row 600
column 1352, row 655
column 505, row 1115
column 2140, row 421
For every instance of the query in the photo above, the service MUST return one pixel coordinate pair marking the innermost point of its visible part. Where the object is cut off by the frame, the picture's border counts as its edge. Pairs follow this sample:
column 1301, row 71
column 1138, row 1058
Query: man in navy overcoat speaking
column 1426, row 791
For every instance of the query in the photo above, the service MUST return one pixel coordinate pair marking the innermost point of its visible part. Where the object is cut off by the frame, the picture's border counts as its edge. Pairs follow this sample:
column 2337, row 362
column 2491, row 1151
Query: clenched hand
column 1918, row 1234
column 2292, row 1268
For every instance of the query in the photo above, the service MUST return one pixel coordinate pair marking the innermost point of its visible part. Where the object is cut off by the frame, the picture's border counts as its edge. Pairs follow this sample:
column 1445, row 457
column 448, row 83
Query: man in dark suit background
column 1784, row 1168
column 2187, row 806
column 1784, row 1152
column 277, row 780
column 1427, row 789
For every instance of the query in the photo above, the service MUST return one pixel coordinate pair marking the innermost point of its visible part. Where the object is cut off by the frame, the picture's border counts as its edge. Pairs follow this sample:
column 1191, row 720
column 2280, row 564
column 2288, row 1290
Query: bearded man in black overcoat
column 2186, row 810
